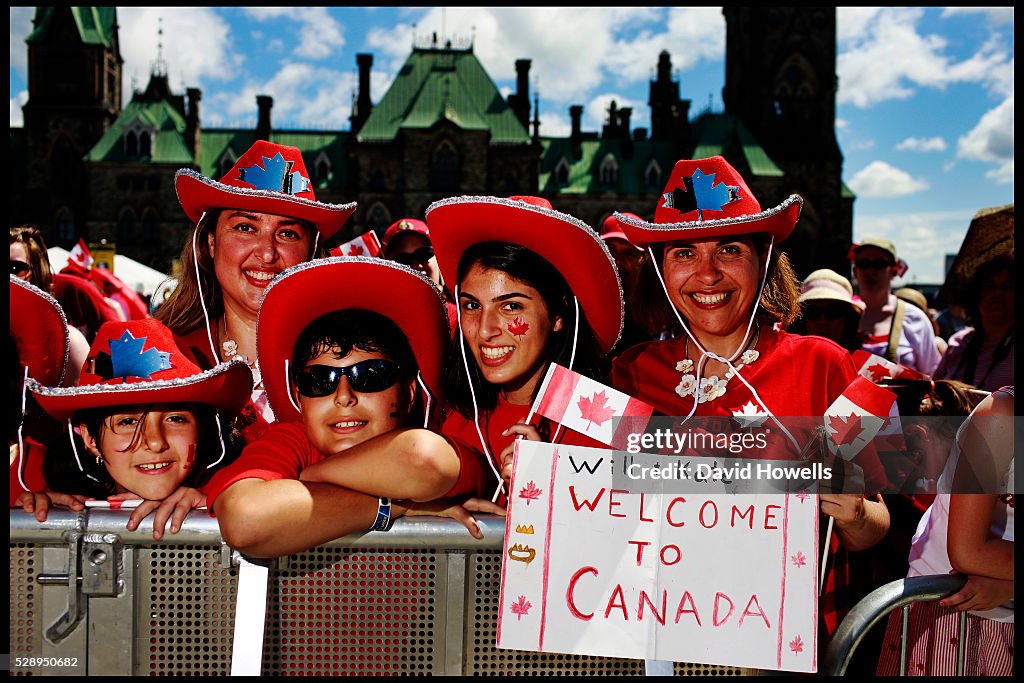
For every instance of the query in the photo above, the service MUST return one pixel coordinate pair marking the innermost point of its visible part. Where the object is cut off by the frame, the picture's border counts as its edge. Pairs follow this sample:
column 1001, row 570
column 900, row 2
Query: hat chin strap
column 476, row 410
column 202, row 298
column 22, row 460
column 429, row 397
column 704, row 353
column 74, row 450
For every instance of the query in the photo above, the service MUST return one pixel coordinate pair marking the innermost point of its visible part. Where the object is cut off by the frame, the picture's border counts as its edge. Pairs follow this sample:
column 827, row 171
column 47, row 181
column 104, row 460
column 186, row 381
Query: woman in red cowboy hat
column 355, row 382
column 533, row 286
column 261, row 218
column 714, row 257
column 149, row 420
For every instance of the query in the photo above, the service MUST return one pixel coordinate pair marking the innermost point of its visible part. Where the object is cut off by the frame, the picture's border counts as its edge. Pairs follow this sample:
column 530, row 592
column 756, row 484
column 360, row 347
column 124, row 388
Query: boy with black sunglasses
column 343, row 374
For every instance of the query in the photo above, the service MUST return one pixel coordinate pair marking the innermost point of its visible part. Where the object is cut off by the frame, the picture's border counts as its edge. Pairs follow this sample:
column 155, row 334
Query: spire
column 160, row 66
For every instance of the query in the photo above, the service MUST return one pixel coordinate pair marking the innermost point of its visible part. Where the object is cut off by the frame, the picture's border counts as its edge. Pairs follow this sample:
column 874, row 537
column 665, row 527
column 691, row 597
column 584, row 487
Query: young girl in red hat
column 533, row 286
column 150, row 423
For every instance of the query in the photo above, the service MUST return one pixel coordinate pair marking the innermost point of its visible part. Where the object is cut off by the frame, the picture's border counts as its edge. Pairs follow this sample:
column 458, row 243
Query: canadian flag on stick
column 876, row 368
column 81, row 255
column 854, row 418
column 367, row 244
column 586, row 406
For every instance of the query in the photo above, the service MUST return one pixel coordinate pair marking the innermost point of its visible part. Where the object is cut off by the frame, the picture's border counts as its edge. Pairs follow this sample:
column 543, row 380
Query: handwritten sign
column 713, row 578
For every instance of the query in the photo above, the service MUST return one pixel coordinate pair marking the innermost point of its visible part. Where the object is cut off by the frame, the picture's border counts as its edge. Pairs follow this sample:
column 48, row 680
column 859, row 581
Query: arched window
column 378, row 182
column 145, row 147
column 562, row 172
column 150, row 227
column 126, row 228
column 444, row 167
column 609, row 171
column 65, row 226
column 378, row 218
column 131, row 144
column 652, row 174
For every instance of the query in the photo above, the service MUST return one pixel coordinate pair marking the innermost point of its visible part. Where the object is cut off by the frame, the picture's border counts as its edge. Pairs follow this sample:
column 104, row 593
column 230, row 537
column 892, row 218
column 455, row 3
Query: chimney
column 264, row 103
column 363, row 104
column 520, row 102
column 627, row 141
column 576, row 113
column 192, row 120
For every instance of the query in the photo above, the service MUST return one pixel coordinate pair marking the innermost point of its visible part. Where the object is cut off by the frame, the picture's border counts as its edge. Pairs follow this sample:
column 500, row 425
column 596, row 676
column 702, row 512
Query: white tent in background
column 139, row 277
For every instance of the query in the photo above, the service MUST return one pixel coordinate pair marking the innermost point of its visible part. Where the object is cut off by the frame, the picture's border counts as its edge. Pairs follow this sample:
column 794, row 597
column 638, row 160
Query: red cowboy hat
column 569, row 244
column 139, row 362
column 610, row 229
column 268, row 178
column 40, row 332
column 709, row 198
column 402, row 225
column 303, row 293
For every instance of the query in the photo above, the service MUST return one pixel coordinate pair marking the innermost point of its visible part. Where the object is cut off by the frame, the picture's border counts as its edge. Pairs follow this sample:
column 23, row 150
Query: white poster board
column 713, row 578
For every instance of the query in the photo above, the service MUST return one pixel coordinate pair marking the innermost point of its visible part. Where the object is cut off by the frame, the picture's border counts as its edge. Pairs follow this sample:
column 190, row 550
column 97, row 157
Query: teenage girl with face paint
column 152, row 426
column 533, row 286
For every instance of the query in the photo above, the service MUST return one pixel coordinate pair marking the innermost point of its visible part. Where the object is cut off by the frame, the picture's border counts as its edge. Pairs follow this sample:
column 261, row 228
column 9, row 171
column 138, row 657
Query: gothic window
column 65, row 226
column 138, row 140
column 795, row 90
column 145, row 147
column 378, row 218
column 322, row 168
column 609, row 171
column 131, row 144
column 378, row 183
column 562, row 172
column 126, row 226
column 444, row 167
column 652, row 174
column 150, row 227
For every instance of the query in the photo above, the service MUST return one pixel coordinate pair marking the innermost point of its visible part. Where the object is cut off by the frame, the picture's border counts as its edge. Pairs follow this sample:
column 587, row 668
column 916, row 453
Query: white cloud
column 992, row 138
column 994, row 15
column 879, row 179
column 935, row 144
column 17, row 102
column 320, row 35
column 20, row 27
column 1003, row 175
column 304, row 97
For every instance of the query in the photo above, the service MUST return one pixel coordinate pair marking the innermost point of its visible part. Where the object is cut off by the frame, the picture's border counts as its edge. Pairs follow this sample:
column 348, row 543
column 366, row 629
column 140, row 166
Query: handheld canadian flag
column 80, row 255
column 856, row 417
column 584, row 405
column 367, row 244
column 876, row 368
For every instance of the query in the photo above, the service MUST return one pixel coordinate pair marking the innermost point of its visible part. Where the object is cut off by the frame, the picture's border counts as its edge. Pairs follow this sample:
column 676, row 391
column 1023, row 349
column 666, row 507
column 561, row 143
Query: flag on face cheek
column 367, row 244
column 584, row 405
column 876, row 368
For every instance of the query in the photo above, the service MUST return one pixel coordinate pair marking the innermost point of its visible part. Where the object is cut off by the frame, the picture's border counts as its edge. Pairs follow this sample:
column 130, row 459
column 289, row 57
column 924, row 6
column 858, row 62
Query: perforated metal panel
column 482, row 657
column 338, row 611
column 24, row 627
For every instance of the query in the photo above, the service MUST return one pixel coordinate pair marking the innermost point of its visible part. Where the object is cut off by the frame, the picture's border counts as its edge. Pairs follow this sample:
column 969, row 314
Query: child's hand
column 528, row 432
column 174, row 508
column 40, row 502
column 979, row 593
column 451, row 508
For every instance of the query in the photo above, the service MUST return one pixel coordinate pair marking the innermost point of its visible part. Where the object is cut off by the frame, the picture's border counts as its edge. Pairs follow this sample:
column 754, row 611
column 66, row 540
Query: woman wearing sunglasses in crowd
column 828, row 309
column 407, row 241
column 892, row 328
column 354, row 379
column 31, row 262
column 533, row 286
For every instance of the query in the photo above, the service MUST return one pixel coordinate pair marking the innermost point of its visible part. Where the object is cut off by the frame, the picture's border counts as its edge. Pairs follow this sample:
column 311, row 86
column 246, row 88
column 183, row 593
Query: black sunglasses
column 830, row 311
column 877, row 263
column 413, row 258
column 366, row 377
column 19, row 267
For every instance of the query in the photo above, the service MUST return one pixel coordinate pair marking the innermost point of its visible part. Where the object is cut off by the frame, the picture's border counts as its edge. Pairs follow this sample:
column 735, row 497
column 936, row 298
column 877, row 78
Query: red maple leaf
column 517, row 327
column 530, row 492
column 847, row 429
column 355, row 250
column 878, row 372
column 803, row 496
column 799, row 559
column 594, row 409
column 520, row 607
column 797, row 645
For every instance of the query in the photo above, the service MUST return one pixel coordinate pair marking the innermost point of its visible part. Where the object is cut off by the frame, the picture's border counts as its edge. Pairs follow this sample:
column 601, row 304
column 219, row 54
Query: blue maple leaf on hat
column 711, row 197
column 129, row 360
column 275, row 176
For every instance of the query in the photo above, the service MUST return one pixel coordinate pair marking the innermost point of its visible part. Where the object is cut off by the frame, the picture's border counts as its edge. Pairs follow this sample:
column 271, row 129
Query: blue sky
column 924, row 112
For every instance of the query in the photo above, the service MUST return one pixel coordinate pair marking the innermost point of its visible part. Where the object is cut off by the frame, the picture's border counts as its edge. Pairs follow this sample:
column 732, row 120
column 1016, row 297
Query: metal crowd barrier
column 876, row 606
column 89, row 597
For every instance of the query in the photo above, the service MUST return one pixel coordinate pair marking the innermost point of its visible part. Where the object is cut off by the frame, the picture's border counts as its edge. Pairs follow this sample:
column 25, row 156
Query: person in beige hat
column 828, row 309
column 892, row 328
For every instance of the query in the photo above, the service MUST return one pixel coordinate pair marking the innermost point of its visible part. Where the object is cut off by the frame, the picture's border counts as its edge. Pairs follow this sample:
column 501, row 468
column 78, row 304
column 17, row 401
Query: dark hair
column 850, row 338
column 778, row 303
column 62, row 474
column 356, row 328
column 972, row 294
column 180, row 310
column 534, row 270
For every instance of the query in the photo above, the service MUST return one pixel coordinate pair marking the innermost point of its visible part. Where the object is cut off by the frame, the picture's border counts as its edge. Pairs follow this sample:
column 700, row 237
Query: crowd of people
column 299, row 397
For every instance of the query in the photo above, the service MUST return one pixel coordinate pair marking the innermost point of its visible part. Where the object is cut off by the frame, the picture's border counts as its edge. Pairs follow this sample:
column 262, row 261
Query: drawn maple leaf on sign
column 803, row 496
column 521, row 607
column 530, row 492
column 797, row 645
column 847, row 429
column 517, row 327
column 594, row 409
column 799, row 559
column 355, row 250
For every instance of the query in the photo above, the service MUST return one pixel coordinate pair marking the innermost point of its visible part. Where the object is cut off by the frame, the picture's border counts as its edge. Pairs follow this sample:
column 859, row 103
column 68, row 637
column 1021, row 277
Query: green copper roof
column 96, row 25
column 721, row 133
column 215, row 142
column 443, row 84
column 160, row 119
column 585, row 172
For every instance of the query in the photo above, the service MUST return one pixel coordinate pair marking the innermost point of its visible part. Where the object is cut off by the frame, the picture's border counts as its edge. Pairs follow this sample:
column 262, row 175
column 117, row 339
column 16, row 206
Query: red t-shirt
column 284, row 451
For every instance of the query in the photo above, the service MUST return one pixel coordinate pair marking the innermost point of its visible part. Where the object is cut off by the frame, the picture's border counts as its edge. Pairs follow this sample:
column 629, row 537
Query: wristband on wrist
column 383, row 521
